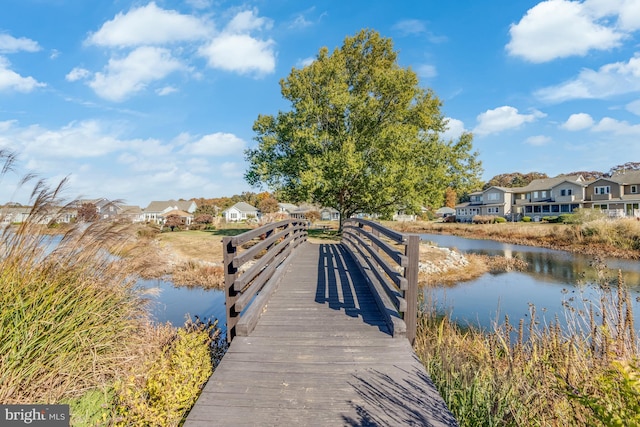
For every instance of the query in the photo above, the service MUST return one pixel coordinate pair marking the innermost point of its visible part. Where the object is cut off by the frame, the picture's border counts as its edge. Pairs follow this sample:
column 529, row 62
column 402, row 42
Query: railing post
column 412, row 251
column 231, row 295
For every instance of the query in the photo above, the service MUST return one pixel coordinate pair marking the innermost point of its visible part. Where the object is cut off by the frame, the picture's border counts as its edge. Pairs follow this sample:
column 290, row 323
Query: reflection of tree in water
column 575, row 270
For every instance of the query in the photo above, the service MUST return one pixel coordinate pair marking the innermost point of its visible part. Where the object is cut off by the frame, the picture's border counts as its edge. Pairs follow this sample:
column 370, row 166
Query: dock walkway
column 320, row 355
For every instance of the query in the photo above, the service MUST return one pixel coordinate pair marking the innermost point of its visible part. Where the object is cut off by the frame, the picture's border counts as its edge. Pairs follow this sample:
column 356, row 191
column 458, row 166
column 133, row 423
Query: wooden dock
column 320, row 355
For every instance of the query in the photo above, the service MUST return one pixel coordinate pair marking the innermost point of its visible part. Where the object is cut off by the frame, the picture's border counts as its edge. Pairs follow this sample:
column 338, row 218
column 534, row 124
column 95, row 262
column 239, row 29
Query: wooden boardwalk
column 321, row 355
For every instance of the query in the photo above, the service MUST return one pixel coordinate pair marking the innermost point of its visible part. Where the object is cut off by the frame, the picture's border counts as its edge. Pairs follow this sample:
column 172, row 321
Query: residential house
column 550, row 196
column 494, row 200
column 131, row 213
column 287, row 208
column 444, row 212
column 14, row 214
column 105, row 209
column 329, row 214
column 241, row 211
column 618, row 195
column 156, row 209
column 186, row 217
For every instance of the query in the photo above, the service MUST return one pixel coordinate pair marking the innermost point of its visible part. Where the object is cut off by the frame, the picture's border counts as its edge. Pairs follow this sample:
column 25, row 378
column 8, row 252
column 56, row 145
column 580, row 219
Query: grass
column 530, row 373
column 74, row 325
column 600, row 236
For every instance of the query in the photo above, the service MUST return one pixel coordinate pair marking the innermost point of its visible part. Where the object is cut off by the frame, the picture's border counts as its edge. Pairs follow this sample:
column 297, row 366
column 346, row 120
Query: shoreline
column 550, row 236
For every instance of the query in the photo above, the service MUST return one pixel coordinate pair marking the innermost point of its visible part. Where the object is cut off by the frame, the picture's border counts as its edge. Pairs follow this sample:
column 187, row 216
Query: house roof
column 445, row 209
column 243, row 207
column 548, row 183
column 159, row 206
column 627, row 177
column 289, row 207
column 131, row 209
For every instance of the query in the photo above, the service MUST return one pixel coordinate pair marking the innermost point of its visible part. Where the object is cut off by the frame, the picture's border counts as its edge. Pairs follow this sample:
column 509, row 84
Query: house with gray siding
column 617, row 196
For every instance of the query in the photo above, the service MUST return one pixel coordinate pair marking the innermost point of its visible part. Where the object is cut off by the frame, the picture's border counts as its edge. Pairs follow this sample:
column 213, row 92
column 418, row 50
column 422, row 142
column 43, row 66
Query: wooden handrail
column 248, row 286
column 389, row 261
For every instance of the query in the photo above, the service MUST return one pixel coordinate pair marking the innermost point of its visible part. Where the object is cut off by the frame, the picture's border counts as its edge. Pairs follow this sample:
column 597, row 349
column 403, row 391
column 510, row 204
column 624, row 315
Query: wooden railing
column 389, row 261
column 254, row 262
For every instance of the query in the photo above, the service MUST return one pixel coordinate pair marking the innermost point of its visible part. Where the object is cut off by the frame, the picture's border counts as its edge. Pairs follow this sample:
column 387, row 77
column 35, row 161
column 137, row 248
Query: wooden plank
column 320, row 354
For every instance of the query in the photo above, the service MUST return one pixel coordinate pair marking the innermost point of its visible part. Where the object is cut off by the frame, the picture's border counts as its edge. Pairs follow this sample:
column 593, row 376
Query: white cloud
column 166, row 90
column 76, row 140
column 300, row 22
column 149, row 25
column 610, row 79
column 77, row 74
column 627, row 12
column 231, row 170
column 577, row 122
column 634, row 107
column 426, row 71
column 237, row 51
column 247, row 21
column 617, row 127
column 134, row 72
column 503, row 118
column 538, row 140
column 455, row 128
column 100, row 161
column 199, row 4
column 410, row 27
column 240, row 53
column 10, row 80
column 9, row 44
column 561, row 28
column 306, row 61
column 216, row 145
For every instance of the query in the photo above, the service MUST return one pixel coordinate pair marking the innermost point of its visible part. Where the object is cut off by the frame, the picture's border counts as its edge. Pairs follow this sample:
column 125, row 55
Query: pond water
column 551, row 277
column 173, row 304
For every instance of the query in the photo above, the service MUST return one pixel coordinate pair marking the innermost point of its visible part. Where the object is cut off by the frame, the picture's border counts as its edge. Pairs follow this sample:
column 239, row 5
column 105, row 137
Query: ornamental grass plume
column 71, row 314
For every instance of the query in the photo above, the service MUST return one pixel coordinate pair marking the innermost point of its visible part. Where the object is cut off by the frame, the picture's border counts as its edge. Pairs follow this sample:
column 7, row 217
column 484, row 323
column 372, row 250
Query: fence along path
column 321, row 352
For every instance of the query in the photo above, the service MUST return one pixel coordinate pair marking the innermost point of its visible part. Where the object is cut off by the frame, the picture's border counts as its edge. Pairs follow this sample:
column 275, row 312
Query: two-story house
column 495, row 201
column 618, row 195
column 550, row 196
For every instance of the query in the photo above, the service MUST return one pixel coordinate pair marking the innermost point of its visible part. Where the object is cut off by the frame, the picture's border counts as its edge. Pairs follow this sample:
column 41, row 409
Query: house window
column 233, row 215
column 493, row 196
column 563, row 192
column 535, row 194
column 634, row 189
column 605, row 189
column 544, row 194
column 569, row 192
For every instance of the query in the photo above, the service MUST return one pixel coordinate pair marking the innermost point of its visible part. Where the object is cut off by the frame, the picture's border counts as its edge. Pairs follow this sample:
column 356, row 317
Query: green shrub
column 566, row 218
column 526, row 219
column 160, row 394
column 619, row 402
column 500, row 219
column 551, row 219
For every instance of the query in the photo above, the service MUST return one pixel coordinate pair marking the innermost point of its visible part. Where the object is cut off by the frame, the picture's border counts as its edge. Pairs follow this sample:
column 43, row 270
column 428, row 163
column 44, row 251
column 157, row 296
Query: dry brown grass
column 450, row 273
column 618, row 238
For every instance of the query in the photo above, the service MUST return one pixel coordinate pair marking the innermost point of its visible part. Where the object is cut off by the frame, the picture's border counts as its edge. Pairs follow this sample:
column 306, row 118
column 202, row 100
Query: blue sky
column 143, row 101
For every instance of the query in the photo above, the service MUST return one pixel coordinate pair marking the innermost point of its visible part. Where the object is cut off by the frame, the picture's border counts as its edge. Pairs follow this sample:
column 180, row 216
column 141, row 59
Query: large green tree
column 361, row 136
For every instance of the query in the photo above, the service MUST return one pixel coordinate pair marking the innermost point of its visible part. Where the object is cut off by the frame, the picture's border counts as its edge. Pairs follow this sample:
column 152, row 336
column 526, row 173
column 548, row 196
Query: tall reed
column 71, row 315
column 537, row 373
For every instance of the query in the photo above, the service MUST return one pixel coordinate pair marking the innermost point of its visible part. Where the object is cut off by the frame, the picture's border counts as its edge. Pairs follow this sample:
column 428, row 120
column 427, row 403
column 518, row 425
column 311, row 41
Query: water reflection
column 551, row 277
column 174, row 304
